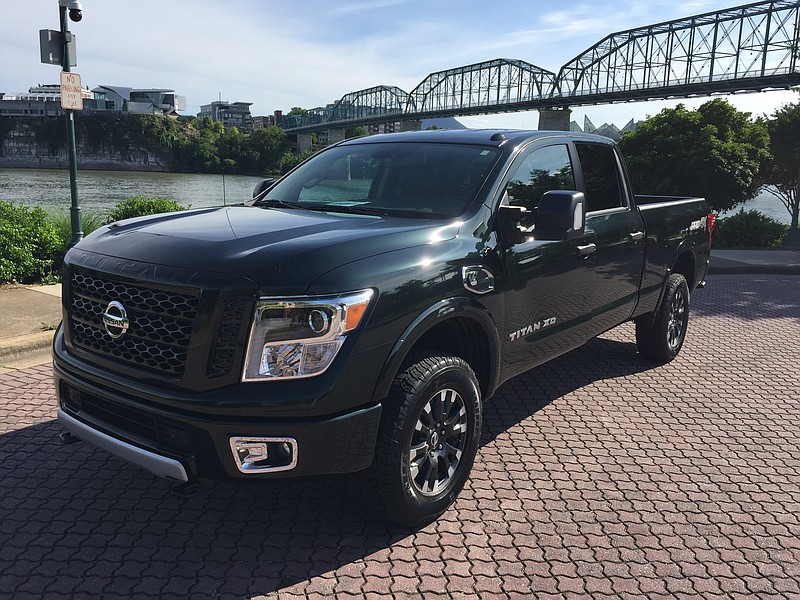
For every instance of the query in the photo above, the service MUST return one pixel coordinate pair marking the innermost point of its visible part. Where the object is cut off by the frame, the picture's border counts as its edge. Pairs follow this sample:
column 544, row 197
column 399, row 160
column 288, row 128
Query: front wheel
column 660, row 336
column 430, row 429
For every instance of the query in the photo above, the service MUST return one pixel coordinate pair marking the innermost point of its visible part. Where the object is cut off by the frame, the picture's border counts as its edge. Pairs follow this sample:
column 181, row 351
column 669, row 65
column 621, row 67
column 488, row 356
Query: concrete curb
column 20, row 345
column 745, row 269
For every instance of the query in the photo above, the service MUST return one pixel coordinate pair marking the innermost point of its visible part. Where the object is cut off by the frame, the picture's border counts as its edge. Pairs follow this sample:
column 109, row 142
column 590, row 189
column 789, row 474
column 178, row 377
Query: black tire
column 660, row 336
column 411, row 483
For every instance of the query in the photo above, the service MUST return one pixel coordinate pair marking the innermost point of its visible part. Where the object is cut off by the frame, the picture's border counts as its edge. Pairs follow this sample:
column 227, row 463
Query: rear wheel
column 430, row 429
column 660, row 336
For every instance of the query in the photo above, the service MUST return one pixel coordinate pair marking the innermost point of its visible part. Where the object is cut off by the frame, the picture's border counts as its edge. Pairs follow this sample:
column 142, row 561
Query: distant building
column 230, row 114
column 262, row 121
column 381, row 128
column 42, row 100
column 45, row 101
column 606, row 129
column 138, row 101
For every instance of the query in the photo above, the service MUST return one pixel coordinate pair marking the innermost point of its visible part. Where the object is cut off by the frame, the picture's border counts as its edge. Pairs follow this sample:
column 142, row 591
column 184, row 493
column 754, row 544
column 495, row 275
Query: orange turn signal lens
column 354, row 314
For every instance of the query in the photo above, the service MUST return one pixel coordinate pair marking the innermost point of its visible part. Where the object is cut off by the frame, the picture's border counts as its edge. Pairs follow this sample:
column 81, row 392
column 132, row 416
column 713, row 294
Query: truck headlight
column 300, row 337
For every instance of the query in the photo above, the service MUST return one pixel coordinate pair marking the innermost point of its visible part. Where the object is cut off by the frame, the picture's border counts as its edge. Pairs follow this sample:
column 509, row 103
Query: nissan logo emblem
column 115, row 319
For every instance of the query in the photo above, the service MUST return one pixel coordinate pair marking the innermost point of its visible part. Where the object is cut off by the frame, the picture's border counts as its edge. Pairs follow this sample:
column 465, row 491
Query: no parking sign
column 71, row 91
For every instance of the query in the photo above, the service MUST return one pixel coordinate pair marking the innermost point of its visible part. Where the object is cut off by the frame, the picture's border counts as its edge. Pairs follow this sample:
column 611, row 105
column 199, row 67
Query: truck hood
column 289, row 248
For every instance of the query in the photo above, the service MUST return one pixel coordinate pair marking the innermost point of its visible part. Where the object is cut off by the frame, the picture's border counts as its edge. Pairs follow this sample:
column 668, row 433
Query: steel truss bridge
column 748, row 48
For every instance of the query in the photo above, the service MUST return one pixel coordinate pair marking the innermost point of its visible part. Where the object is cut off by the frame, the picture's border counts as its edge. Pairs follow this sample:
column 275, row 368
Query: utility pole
column 76, row 14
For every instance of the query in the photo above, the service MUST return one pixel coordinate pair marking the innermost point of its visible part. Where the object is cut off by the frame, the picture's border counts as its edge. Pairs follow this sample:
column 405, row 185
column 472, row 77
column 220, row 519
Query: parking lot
column 598, row 475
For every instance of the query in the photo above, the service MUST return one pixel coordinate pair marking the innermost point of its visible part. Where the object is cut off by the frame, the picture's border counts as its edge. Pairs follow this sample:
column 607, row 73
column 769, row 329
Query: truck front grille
column 160, row 323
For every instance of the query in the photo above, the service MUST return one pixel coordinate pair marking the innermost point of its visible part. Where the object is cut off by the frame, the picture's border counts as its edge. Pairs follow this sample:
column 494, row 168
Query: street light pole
column 75, row 209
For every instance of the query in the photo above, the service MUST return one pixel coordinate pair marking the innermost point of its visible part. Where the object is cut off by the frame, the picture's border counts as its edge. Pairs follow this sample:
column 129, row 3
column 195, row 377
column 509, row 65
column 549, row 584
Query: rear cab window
column 604, row 186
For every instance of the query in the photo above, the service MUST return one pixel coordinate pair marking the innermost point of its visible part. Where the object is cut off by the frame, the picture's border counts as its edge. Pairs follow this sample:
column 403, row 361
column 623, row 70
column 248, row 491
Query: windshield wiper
column 353, row 209
column 272, row 203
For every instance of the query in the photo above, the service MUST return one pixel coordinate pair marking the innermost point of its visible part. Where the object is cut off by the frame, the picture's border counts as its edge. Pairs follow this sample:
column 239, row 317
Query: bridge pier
column 556, row 119
column 304, row 142
column 335, row 136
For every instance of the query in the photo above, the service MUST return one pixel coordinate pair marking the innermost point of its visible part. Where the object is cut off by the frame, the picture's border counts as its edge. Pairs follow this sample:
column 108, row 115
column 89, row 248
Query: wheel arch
column 456, row 326
column 686, row 264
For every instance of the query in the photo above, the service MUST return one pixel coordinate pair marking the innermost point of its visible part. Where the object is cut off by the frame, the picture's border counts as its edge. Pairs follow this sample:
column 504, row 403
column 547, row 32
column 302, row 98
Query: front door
column 547, row 293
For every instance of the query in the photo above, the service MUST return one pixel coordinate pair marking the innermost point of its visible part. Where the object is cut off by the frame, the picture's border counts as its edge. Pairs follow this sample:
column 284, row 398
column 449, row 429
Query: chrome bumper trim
column 155, row 463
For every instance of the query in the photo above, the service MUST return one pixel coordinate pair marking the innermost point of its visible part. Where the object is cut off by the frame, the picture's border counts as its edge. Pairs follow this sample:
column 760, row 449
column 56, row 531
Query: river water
column 100, row 191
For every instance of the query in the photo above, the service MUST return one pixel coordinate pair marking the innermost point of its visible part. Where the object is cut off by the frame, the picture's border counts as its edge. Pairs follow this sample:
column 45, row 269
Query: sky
column 279, row 54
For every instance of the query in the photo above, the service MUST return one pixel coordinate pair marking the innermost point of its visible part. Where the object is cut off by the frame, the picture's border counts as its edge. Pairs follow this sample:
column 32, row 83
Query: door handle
column 636, row 235
column 587, row 249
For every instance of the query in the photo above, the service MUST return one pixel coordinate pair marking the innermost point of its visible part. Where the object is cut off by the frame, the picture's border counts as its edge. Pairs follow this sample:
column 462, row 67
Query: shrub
column 141, row 206
column 750, row 229
column 62, row 222
column 29, row 243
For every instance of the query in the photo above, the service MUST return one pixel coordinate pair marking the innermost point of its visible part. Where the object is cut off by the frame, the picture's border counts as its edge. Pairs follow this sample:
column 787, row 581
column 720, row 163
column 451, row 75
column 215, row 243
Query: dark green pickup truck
column 358, row 313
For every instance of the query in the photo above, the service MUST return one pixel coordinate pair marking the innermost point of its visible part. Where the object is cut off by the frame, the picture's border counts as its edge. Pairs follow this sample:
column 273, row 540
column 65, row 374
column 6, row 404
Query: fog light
column 264, row 454
column 319, row 356
column 284, row 360
column 285, row 450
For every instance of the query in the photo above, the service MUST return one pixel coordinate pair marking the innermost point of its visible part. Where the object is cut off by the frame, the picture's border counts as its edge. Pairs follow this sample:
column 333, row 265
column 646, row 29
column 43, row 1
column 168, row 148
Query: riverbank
column 94, row 163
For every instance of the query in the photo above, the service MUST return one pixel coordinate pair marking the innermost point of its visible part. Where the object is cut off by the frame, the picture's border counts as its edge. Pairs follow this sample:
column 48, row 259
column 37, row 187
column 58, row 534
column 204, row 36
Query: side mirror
column 262, row 186
column 561, row 215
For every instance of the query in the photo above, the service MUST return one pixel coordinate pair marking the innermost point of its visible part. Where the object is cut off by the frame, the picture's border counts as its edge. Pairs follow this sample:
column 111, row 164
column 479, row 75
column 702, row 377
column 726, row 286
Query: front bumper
column 184, row 445
column 155, row 463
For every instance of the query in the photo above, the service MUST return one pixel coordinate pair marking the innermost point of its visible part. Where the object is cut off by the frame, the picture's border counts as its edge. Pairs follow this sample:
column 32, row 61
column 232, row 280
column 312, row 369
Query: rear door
column 615, row 227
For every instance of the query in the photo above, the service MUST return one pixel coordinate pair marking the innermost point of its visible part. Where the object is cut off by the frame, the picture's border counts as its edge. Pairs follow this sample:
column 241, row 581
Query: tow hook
column 186, row 489
column 67, row 438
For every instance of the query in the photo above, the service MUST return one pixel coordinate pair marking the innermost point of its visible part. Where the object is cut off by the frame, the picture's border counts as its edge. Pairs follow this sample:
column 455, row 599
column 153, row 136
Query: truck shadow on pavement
column 76, row 520
column 526, row 394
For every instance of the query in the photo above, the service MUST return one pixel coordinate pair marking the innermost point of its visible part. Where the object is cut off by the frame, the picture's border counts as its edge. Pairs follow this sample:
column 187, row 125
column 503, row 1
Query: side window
column 601, row 177
column 545, row 169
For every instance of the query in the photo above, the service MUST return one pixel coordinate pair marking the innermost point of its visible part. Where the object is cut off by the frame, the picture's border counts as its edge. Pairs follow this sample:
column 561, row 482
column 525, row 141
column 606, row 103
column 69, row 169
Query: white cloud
column 355, row 7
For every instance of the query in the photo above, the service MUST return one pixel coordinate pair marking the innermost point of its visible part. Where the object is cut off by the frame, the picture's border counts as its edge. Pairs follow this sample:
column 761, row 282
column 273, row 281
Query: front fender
column 444, row 310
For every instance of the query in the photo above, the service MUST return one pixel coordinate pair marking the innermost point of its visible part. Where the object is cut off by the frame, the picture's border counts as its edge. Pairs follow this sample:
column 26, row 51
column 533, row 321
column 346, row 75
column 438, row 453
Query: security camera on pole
column 58, row 47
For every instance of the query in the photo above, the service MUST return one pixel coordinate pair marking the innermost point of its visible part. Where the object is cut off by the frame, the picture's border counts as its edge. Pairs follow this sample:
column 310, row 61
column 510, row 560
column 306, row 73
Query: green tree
column 200, row 150
column 268, row 145
column 715, row 152
column 353, row 132
column 233, row 152
column 782, row 171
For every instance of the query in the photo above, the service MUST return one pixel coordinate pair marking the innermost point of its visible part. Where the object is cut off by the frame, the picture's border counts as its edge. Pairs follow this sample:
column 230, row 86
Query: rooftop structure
column 141, row 101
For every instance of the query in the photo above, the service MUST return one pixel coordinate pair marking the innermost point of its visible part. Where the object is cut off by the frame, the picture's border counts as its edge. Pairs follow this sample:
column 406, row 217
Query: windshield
column 403, row 178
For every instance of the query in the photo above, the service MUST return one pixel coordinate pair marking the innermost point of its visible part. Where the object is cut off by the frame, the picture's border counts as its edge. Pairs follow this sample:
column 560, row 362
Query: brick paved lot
column 598, row 476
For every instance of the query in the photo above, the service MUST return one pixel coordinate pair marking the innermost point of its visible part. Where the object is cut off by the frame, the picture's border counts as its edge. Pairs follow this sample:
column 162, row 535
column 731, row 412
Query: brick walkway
column 598, row 475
